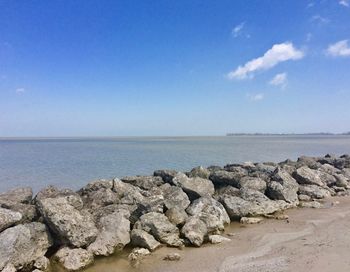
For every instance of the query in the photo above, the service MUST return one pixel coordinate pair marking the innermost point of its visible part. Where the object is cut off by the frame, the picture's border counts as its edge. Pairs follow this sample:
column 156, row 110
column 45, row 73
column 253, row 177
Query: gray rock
column 74, row 259
column 8, row 218
column 160, row 227
column 127, row 193
column 144, row 182
column 18, row 195
column 227, row 190
column 211, row 212
column 305, row 175
column 304, row 198
column 174, row 197
column 200, row 172
column 250, row 220
column 23, row 244
column 96, row 185
column 222, row 177
column 9, row 268
column 195, row 230
column 341, row 181
column 114, row 233
column 140, row 238
column 310, row 162
column 314, row 191
column 136, row 255
column 177, row 216
column 253, row 183
column 100, row 198
column 42, row 263
column 172, row 257
column 71, row 225
column 27, row 211
column 194, row 187
column 217, row 239
column 312, row 204
column 166, row 175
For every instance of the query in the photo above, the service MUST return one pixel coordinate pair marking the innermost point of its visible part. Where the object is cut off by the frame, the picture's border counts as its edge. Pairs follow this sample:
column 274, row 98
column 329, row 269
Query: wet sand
column 313, row 240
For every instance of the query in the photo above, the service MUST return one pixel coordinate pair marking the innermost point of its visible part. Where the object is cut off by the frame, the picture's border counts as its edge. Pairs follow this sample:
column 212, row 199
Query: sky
column 173, row 68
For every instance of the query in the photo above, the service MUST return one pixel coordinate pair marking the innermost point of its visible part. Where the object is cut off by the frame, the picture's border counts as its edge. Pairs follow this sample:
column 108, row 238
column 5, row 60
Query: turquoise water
column 73, row 162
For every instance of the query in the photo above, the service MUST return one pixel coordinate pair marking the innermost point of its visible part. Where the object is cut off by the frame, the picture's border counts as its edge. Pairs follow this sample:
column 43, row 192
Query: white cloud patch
column 20, row 90
column 278, row 53
column 319, row 19
column 279, row 80
column 344, row 3
column 236, row 31
column 339, row 49
column 255, row 97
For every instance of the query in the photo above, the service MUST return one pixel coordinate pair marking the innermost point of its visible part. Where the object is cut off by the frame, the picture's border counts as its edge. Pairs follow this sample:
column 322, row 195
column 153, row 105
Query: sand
column 311, row 240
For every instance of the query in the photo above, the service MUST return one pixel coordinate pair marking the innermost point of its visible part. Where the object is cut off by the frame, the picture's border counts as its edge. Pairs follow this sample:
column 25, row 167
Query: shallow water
column 73, row 162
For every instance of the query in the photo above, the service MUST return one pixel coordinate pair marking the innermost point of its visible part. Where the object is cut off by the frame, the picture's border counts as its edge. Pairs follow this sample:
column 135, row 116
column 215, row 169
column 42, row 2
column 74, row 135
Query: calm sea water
column 73, row 162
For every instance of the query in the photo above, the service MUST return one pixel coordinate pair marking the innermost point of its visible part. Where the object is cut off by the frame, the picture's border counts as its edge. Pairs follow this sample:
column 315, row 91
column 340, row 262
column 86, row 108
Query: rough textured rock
column 341, row 181
column 314, row 191
column 166, row 175
column 144, row 182
column 74, row 259
column 140, row 238
column 194, row 187
column 217, row 239
column 114, row 233
column 136, row 255
column 312, row 204
column 305, row 175
column 100, row 198
column 194, row 230
column 174, row 197
column 9, row 268
column 304, row 197
column 160, row 227
column 23, row 244
column 227, row 190
column 42, row 263
column 310, row 162
column 283, row 187
column 50, row 191
column 8, row 218
column 177, row 216
column 18, row 195
column 28, row 212
column 222, row 177
column 200, row 172
column 250, row 220
column 71, row 225
column 211, row 212
column 172, row 257
column 96, row 185
column 127, row 193
column 253, row 183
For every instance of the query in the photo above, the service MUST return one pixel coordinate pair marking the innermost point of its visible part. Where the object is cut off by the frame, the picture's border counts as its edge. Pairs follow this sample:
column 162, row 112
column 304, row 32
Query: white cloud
column 256, row 97
column 236, row 31
column 20, row 90
column 344, row 3
column 339, row 49
column 279, row 80
column 319, row 19
column 278, row 53
column 310, row 5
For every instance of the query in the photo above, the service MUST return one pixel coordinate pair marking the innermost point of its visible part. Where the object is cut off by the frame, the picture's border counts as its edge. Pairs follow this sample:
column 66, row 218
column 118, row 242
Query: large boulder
column 314, row 191
column 174, row 197
column 310, row 162
column 23, row 244
column 194, row 187
column 127, row 193
column 114, row 233
column 141, row 238
column 160, row 227
column 177, row 216
column 211, row 212
column 200, row 172
column 253, row 183
column 18, row 195
column 305, row 175
column 100, row 198
column 96, row 185
column 51, row 191
column 8, row 218
column 222, row 177
column 27, row 211
column 73, row 259
column 166, row 175
column 144, row 182
column 71, row 225
column 283, row 187
column 195, row 230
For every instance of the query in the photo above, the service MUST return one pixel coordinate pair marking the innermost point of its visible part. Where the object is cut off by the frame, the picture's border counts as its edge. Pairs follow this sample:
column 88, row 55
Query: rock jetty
column 70, row 229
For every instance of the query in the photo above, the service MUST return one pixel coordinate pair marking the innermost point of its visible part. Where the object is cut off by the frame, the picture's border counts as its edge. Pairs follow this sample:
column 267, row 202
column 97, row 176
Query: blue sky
column 118, row 68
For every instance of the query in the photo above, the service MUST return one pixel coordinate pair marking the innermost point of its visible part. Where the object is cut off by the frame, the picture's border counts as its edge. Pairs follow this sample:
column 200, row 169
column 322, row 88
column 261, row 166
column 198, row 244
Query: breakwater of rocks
column 60, row 226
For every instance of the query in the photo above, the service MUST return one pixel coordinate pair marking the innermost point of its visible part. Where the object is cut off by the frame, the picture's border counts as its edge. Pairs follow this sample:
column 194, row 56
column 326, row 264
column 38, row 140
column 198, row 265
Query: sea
column 73, row 162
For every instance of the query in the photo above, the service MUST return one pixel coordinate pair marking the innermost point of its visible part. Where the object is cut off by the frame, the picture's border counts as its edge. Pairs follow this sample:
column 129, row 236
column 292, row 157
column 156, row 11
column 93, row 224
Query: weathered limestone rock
column 312, row 204
column 341, row 181
column 140, row 238
column 314, row 191
column 304, row 197
column 136, row 255
column 160, row 227
column 144, row 182
column 96, row 185
column 305, row 175
column 211, row 212
column 227, row 190
column 222, row 177
column 250, row 220
column 200, row 172
column 217, row 239
column 23, row 244
column 127, row 193
column 253, row 183
column 74, row 259
column 8, row 218
column 114, row 233
column 100, row 198
column 176, row 216
column 166, row 175
column 9, row 268
column 42, row 263
column 310, row 162
column 71, row 225
column 18, row 195
column 194, row 187
column 174, row 197
column 172, row 257
column 194, row 230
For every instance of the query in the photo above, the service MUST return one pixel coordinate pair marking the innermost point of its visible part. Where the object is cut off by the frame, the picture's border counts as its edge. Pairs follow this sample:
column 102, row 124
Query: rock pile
column 169, row 208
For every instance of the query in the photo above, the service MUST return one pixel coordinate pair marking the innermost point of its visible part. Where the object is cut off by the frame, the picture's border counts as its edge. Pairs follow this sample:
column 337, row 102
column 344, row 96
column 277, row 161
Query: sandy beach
column 311, row 240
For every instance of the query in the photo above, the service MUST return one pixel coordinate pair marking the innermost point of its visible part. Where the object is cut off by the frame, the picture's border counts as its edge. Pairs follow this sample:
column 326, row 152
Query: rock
column 100, row 198
column 217, row 239
column 23, row 244
column 96, row 185
column 238, row 170
column 42, row 263
column 9, row 268
column 312, row 204
column 127, row 193
column 114, row 233
column 341, row 181
column 144, row 182
column 194, row 230
column 176, row 216
column 74, row 259
column 250, row 220
column 27, row 211
column 136, row 255
column 18, row 195
column 166, row 175
column 174, row 197
column 160, row 227
column 194, row 187
column 140, row 238
column 8, row 218
column 211, row 212
column 226, row 190
column 310, row 162
column 304, row 197
column 200, row 172
column 314, row 191
column 305, row 175
column 222, row 177
column 283, row 187
column 71, row 225
column 172, row 257
column 253, row 183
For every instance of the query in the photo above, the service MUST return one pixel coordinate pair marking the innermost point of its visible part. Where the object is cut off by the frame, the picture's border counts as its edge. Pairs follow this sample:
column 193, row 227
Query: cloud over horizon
column 276, row 54
column 339, row 49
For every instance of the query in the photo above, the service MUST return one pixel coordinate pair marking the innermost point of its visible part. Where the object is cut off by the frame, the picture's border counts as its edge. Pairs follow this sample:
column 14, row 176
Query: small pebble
column 172, row 257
